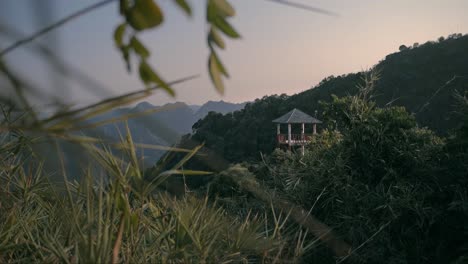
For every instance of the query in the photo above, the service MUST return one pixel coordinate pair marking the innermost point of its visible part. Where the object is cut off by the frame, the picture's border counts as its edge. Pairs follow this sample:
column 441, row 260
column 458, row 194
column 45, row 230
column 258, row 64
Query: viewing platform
column 296, row 139
column 295, row 116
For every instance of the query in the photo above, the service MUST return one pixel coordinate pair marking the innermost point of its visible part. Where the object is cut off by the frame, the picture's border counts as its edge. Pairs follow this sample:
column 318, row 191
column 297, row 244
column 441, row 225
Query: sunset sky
column 282, row 50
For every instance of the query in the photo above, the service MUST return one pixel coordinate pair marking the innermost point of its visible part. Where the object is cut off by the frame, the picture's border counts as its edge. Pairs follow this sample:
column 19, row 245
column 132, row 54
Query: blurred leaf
column 126, row 55
column 131, row 151
column 225, row 27
column 119, row 34
column 217, row 12
column 148, row 75
column 139, row 48
column 124, row 6
column 215, row 74
column 213, row 36
column 185, row 6
column 211, row 12
column 221, row 67
column 144, row 14
column 145, row 73
column 223, row 8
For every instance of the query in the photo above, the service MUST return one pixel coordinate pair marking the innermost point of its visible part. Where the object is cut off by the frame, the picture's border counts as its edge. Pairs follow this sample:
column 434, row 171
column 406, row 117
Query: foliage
column 142, row 15
column 422, row 79
column 114, row 214
column 112, row 211
column 395, row 192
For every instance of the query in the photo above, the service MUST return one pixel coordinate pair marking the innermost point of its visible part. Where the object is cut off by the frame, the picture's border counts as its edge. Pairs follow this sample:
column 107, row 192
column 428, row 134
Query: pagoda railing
column 295, row 138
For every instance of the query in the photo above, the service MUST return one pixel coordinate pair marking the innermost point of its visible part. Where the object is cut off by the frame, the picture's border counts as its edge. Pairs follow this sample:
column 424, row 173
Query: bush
column 382, row 183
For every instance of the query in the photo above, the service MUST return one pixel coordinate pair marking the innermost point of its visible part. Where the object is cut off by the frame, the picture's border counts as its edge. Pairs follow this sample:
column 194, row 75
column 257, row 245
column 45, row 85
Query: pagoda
column 295, row 117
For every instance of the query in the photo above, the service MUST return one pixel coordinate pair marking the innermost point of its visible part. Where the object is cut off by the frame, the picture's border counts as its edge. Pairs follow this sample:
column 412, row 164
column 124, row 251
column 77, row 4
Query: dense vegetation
column 388, row 171
column 114, row 215
column 374, row 186
column 112, row 212
column 397, row 193
column 390, row 192
column 382, row 182
column 423, row 79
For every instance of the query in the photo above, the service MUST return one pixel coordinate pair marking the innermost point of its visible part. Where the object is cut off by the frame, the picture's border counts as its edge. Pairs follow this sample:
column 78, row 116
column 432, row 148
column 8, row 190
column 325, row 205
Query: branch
column 305, row 7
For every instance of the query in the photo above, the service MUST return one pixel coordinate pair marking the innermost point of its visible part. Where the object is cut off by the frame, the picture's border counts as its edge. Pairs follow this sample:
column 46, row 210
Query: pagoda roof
column 296, row 116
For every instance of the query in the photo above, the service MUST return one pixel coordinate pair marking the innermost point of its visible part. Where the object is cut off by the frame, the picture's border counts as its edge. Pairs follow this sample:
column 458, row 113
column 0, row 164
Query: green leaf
column 213, row 36
column 215, row 74
column 144, row 14
column 145, row 73
column 225, row 27
column 186, row 7
column 139, row 48
column 124, row 6
column 211, row 12
column 126, row 55
column 131, row 151
column 221, row 67
column 148, row 75
column 119, row 34
column 223, row 8
column 134, row 220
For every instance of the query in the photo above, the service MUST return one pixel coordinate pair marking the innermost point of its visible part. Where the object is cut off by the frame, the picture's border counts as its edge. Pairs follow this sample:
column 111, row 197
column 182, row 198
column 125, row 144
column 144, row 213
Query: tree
column 383, row 177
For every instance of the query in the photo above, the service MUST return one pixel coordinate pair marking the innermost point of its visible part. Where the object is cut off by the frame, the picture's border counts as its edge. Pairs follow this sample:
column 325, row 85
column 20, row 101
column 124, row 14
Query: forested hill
column 422, row 78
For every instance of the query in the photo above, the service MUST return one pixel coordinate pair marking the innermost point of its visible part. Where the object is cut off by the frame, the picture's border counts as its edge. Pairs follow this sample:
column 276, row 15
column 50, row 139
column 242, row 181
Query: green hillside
column 423, row 79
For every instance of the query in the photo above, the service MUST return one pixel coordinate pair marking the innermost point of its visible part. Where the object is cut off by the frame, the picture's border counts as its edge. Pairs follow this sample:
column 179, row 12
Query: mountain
column 163, row 125
column 195, row 107
column 423, row 79
column 177, row 116
column 218, row 107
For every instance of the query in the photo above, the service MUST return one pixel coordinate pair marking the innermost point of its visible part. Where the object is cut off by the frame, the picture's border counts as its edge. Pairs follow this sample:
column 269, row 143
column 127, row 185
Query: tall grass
column 112, row 213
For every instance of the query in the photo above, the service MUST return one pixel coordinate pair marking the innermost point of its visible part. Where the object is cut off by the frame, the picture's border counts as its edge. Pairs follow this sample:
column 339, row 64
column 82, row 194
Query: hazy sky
column 282, row 50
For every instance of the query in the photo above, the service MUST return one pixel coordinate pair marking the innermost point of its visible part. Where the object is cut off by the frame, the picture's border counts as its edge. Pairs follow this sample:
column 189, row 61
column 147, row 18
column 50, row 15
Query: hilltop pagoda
column 290, row 140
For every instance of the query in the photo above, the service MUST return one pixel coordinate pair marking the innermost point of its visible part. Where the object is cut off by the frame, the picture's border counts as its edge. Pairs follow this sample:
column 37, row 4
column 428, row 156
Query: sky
column 282, row 49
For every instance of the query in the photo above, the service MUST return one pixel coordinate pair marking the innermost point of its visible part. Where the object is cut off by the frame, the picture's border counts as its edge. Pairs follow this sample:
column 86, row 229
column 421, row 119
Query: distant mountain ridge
column 163, row 127
column 218, row 107
column 180, row 117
